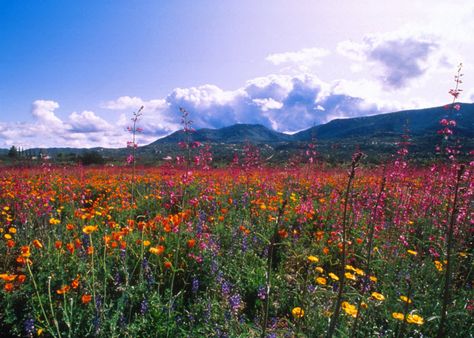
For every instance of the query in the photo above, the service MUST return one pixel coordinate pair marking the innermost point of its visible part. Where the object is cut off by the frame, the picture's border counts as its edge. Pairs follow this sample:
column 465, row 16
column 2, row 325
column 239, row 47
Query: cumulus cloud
column 43, row 111
column 87, row 122
column 400, row 58
column 282, row 102
column 302, row 60
column 133, row 104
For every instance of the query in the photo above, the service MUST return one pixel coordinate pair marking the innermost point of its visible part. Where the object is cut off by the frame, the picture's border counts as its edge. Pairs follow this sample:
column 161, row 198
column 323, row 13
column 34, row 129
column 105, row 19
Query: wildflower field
column 237, row 252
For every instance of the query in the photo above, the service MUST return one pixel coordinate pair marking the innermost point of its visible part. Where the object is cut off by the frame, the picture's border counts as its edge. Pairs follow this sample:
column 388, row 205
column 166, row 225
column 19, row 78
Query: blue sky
column 72, row 72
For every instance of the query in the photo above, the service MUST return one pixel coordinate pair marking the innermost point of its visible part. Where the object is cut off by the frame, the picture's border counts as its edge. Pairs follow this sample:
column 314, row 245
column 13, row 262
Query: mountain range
column 421, row 122
column 376, row 134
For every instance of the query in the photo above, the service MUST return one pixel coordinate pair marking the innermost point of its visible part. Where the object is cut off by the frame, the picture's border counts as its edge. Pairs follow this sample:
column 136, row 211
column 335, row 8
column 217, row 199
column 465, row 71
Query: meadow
column 243, row 251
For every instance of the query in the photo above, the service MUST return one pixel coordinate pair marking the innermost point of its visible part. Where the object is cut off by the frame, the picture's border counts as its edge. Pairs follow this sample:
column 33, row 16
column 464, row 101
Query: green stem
column 52, row 309
column 449, row 245
column 38, row 296
column 342, row 279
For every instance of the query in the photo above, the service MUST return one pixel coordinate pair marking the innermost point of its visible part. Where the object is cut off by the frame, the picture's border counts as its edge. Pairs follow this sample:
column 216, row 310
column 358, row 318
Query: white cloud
column 87, row 121
column 303, row 60
column 399, row 57
column 43, row 111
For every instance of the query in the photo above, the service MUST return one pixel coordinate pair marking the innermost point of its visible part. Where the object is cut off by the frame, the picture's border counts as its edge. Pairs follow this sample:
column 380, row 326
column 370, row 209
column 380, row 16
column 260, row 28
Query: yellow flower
column 313, row 259
column 373, row 279
column 12, row 230
column 146, row 243
column 360, row 272
column 7, row 236
column 297, row 312
column 463, row 254
column 405, row 299
column 54, row 221
column 378, row 296
column 350, row 267
column 319, row 269
column 321, row 281
column 350, row 309
column 333, row 276
column 415, row 319
column 158, row 250
column 88, row 229
column 350, row 276
column 364, row 305
column 438, row 265
column 398, row 315
column 412, row 252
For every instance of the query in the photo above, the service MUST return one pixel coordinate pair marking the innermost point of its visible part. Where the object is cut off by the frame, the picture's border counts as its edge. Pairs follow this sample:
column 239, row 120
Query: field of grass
column 237, row 252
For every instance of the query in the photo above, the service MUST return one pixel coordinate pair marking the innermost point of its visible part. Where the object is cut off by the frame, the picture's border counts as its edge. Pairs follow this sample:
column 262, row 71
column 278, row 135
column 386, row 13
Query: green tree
column 13, row 152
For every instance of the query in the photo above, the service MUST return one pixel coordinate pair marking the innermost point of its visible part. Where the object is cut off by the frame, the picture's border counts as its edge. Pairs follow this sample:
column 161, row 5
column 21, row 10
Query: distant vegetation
column 377, row 136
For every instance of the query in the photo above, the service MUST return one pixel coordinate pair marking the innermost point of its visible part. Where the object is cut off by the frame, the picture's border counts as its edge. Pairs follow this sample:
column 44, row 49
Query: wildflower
column 39, row 332
column 398, row 316
column 75, row 282
column 7, row 278
column 21, row 279
column 297, row 312
column 235, row 302
column 158, row 250
column 359, row 272
column 405, row 299
column 350, row 309
column 86, row 298
column 63, row 290
column 191, row 243
column 54, row 221
column 88, row 229
column 319, row 269
column 412, row 252
column 321, row 281
column 378, row 296
column 37, row 244
column 12, row 230
column 349, row 275
column 8, row 287
column 168, row 265
column 313, row 259
column 350, row 267
column 415, row 319
column 144, row 307
column 7, row 236
column 438, row 265
column 29, row 326
column 325, row 250
column 333, row 276
column 146, row 243
column 364, row 305
column 373, row 279
column 25, row 251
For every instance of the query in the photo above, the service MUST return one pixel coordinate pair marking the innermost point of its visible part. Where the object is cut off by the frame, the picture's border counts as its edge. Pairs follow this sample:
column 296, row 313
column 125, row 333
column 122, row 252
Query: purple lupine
column 235, row 302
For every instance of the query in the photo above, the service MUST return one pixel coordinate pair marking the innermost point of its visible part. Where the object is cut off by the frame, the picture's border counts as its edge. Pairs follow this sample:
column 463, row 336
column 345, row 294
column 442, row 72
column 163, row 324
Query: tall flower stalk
column 449, row 248
column 337, row 307
column 131, row 159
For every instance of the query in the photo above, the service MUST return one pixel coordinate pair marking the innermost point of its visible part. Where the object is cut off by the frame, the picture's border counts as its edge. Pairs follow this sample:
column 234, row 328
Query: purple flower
column 235, row 302
column 262, row 292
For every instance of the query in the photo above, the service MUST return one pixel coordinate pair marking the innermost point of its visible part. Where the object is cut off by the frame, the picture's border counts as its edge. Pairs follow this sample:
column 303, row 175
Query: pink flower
column 130, row 159
column 457, row 106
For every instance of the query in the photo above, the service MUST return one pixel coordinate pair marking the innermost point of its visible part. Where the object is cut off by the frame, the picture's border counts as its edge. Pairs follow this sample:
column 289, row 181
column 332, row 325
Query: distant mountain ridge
column 421, row 124
column 417, row 122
